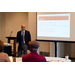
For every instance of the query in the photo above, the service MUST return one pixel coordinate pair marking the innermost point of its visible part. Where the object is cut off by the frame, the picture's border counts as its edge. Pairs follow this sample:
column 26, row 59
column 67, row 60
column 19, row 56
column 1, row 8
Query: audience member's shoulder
column 2, row 53
column 24, row 56
column 42, row 58
column 5, row 54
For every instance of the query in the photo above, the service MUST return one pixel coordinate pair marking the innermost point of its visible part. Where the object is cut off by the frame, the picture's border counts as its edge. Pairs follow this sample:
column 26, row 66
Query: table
column 15, row 59
column 57, row 59
column 49, row 59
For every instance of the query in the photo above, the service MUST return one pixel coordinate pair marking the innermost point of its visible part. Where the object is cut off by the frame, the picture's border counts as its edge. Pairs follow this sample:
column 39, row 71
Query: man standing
column 23, row 37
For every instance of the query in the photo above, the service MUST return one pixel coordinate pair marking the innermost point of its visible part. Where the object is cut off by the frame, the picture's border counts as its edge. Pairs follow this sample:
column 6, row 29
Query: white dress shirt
column 24, row 35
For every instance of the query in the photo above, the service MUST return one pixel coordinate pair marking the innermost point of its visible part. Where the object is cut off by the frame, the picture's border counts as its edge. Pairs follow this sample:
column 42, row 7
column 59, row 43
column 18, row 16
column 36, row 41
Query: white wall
column 12, row 21
column 32, row 24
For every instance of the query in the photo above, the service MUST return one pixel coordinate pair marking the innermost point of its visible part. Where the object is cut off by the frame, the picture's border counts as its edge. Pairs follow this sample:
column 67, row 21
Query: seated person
column 33, row 56
column 3, row 56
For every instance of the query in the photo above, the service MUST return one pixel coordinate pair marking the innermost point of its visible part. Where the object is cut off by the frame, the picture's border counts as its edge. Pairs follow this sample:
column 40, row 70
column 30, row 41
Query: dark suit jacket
column 27, row 37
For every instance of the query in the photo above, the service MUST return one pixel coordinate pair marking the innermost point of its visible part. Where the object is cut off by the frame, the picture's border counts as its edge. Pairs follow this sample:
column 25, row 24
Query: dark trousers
column 22, row 47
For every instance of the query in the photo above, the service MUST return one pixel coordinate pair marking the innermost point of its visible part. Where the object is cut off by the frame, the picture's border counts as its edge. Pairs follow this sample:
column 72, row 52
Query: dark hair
column 1, row 46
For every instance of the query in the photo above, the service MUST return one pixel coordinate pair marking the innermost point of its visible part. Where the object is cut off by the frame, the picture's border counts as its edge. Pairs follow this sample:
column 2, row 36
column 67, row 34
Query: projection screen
column 56, row 26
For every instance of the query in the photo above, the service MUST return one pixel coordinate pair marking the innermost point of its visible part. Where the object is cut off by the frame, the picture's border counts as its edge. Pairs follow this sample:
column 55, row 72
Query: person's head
column 33, row 45
column 23, row 27
column 1, row 46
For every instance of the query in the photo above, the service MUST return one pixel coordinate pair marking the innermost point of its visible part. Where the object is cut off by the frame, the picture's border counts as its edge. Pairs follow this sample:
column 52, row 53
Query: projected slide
column 56, row 26
column 53, row 25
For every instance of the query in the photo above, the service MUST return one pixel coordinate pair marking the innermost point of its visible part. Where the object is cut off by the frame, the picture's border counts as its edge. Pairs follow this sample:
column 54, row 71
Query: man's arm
column 17, row 38
column 29, row 37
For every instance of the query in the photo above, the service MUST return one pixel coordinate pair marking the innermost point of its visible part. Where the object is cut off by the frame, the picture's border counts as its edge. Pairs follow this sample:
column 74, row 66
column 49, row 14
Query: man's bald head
column 33, row 45
column 23, row 27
